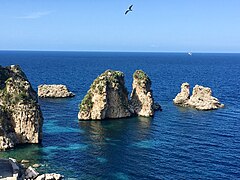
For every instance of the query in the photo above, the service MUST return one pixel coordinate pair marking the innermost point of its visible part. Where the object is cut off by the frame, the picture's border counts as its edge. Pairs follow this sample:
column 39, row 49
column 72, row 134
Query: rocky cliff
column 106, row 98
column 200, row 99
column 54, row 91
column 21, row 118
column 142, row 101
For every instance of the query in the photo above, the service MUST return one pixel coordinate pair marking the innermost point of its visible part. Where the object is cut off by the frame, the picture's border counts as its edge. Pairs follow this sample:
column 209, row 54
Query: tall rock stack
column 142, row 101
column 21, row 117
column 106, row 98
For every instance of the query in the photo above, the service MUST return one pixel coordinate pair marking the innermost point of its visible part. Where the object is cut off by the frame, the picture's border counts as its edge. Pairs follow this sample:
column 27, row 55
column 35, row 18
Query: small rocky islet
column 108, row 97
column 54, row 91
column 201, row 98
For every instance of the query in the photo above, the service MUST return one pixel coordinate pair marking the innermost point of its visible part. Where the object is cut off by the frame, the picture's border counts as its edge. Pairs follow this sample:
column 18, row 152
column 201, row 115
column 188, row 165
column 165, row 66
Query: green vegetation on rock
column 86, row 103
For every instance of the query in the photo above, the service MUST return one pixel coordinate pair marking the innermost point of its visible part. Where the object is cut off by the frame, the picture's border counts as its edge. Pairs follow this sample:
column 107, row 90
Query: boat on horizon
column 190, row 53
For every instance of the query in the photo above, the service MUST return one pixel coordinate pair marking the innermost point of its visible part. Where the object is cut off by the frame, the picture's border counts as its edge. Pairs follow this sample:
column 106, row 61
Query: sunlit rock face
column 106, row 98
column 21, row 117
column 142, row 101
column 54, row 91
column 201, row 98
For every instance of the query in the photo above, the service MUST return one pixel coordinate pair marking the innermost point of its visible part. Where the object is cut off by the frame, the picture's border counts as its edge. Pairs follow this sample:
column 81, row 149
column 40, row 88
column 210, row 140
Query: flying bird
column 129, row 9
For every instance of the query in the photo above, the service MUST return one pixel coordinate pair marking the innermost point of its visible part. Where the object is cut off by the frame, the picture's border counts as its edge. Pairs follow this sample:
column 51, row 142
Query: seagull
column 129, row 9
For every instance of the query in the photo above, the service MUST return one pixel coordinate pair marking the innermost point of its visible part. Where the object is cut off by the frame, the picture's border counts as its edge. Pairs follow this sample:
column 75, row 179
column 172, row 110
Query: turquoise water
column 177, row 143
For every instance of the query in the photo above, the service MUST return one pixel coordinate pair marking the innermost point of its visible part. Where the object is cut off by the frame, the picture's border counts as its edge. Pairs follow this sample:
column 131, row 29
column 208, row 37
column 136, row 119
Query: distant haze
column 91, row 25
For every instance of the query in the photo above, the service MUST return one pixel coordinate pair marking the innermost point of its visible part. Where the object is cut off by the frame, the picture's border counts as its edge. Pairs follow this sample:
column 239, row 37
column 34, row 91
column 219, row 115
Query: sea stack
column 142, row 101
column 54, row 91
column 20, row 115
column 201, row 98
column 182, row 98
column 106, row 98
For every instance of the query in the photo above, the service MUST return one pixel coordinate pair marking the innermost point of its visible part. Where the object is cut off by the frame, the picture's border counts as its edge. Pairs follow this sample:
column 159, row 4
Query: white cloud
column 35, row 15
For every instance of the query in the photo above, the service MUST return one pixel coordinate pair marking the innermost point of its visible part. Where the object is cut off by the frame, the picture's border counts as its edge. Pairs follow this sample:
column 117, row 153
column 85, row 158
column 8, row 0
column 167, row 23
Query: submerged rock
column 54, row 91
column 106, row 98
column 201, row 98
column 142, row 101
column 20, row 115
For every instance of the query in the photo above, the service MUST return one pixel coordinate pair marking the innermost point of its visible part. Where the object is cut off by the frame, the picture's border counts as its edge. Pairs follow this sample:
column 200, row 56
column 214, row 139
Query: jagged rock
column 20, row 115
column 142, row 101
column 183, row 97
column 31, row 173
column 52, row 176
column 106, row 98
column 54, row 91
column 201, row 98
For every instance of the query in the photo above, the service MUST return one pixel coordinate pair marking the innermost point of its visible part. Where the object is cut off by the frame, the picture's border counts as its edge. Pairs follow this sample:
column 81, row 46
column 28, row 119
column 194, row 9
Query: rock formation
column 20, row 115
column 108, row 97
column 54, row 91
column 20, row 171
column 183, row 97
column 142, row 101
column 201, row 98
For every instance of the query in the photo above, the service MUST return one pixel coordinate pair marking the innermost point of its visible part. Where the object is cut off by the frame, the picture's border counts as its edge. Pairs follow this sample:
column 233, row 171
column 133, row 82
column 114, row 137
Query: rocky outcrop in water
column 21, row 117
column 108, row 97
column 201, row 98
column 54, row 91
column 182, row 98
column 142, row 101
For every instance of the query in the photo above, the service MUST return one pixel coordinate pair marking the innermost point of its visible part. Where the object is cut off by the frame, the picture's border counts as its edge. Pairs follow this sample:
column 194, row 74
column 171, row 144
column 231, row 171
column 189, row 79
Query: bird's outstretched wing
column 130, row 7
column 127, row 11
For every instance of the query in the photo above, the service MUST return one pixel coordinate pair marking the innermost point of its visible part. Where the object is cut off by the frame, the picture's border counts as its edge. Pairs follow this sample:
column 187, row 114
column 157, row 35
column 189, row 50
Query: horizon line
column 119, row 51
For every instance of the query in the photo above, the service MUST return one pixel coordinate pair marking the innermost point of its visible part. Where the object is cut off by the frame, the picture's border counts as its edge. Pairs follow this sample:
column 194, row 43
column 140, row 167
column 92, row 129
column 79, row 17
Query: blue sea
column 177, row 143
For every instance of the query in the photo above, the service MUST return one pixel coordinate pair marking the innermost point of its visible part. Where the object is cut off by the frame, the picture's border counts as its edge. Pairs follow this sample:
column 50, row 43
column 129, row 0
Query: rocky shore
column 201, row 98
column 108, row 97
column 54, row 91
column 18, row 171
column 20, row 114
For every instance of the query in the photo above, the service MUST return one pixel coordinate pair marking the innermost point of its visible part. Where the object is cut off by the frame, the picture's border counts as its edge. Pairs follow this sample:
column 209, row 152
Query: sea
column 177, row 143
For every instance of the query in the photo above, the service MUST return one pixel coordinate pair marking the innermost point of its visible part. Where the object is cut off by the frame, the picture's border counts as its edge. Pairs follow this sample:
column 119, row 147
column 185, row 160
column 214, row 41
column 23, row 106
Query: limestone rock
column 142, row 101
column 107, row 98
column 31, row 173
column 201, row 98
column 20, row 115
column 183, row 97
column 54, row 91
column 52, row 176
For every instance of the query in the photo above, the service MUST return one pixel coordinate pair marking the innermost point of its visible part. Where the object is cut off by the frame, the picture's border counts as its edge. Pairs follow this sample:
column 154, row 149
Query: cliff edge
column 20, row 115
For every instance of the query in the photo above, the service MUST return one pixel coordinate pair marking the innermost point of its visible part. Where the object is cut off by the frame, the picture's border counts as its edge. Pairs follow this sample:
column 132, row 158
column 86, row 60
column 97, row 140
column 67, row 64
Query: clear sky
column 100, row 25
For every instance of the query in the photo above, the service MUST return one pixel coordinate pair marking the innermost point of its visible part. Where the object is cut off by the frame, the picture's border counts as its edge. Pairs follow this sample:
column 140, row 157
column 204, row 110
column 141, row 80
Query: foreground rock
column 201, row 98
column 54, row 91
column 142, row 101
column 11, row 169
column 20, row 115
column 108, row 97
